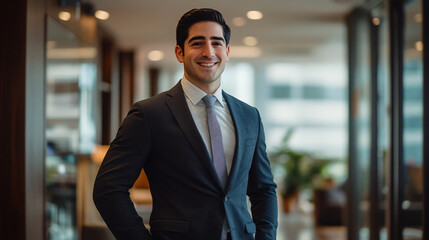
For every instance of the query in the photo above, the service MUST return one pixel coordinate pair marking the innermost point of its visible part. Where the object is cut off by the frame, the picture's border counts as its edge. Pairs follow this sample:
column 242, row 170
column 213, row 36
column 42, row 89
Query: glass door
column 70, row 131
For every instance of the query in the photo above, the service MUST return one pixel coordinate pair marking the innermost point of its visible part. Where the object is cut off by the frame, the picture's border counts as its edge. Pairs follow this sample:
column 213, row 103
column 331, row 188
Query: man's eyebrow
column 196, row 38
column 218, row 38
column 203, row 38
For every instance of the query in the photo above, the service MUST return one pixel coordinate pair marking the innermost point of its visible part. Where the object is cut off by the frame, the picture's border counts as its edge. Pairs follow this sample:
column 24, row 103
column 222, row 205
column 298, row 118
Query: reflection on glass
column 362, row 117
column 70, row 84
column 413, row 122
column 383, row 125
column 315, row 93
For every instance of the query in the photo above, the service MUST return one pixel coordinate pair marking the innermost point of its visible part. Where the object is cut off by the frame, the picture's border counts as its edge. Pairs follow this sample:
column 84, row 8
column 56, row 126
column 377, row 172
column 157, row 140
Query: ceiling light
column 254, row 15
column 376, row 21
column 419, row 46
column 239, row 21
column 155, row 55
column 65, row 16
column 250, row 41
column 418, row 17
column 102, row 15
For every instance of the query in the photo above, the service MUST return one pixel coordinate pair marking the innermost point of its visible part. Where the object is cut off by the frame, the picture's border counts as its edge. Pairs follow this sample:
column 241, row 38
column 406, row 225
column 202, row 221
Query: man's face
column 205, row 54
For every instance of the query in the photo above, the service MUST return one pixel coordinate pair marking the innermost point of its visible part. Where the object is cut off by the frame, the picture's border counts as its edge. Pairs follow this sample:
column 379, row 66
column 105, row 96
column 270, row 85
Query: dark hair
column 199, row 15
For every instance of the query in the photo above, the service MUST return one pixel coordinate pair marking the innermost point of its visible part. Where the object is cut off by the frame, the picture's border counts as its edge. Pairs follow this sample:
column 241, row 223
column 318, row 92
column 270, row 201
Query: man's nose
column 208, row 50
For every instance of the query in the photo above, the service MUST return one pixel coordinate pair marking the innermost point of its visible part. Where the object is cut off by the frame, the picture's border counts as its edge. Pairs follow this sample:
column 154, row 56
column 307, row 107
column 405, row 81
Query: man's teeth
column 207, row 64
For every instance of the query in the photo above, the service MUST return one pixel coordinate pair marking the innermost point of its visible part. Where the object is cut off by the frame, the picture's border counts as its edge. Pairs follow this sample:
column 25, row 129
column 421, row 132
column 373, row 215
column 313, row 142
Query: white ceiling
column 290, row 29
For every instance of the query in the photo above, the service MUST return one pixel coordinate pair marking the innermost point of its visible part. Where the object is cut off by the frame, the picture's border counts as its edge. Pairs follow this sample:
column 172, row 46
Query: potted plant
column 301, row 170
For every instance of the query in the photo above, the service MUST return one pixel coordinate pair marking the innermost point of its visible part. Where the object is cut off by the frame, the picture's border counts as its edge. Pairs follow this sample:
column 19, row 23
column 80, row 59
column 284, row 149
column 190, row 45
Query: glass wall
column 413, row 121
column 383, row 119
column 396, row 168
column 70, row 130
column 362, row 109
column 310, row 100
column 360, row 124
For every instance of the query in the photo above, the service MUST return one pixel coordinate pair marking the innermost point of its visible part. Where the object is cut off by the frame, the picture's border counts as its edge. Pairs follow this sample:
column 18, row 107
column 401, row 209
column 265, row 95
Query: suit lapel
column 239, row 122
column 180, row 110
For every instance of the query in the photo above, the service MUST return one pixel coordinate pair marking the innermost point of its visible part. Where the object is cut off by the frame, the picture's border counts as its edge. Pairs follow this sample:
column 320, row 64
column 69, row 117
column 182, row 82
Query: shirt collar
column 195, row 94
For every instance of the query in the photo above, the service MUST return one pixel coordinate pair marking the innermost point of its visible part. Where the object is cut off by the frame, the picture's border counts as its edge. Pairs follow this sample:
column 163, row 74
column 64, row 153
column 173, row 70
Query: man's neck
column 208, row 88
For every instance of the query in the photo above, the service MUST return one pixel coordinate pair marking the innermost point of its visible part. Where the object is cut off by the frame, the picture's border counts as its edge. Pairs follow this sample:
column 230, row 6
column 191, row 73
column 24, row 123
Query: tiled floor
column 300, row 226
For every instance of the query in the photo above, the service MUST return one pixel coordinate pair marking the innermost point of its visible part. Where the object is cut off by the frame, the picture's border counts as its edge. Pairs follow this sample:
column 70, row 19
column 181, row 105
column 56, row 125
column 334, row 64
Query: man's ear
column 179, row 53
column 227, row 53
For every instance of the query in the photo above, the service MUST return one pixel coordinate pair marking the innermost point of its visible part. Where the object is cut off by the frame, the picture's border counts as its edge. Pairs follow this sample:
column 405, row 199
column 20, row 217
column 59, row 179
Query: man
column 200, row 159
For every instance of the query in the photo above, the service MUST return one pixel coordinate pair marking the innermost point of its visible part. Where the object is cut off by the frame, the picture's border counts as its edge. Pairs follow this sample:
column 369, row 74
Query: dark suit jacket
column 160, row 136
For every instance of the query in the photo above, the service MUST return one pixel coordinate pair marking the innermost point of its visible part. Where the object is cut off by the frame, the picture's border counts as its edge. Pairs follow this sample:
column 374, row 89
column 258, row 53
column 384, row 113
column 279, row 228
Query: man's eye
column 197, row 44
column 217, row 44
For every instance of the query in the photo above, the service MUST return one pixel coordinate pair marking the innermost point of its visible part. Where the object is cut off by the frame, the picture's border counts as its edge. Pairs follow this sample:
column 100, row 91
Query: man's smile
column 207, row 62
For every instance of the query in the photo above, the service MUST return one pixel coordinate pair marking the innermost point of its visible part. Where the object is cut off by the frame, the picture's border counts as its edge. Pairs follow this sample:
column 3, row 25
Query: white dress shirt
column 194, row 97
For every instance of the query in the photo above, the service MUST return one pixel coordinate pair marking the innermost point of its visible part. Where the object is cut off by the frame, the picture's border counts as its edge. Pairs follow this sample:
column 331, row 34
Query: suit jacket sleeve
column 117, row 174
column 261, row 191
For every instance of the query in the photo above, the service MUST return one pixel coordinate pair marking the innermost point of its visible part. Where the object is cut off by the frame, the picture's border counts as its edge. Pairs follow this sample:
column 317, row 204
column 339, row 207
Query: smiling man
column 204, row 55
column 202, row 150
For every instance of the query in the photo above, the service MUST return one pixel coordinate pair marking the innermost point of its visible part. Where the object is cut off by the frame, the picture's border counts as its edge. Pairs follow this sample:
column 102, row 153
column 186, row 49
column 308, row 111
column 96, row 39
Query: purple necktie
column 218, row 154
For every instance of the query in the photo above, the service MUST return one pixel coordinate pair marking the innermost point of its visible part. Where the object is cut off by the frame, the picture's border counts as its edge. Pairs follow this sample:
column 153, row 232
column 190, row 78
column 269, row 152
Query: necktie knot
column 209, row 100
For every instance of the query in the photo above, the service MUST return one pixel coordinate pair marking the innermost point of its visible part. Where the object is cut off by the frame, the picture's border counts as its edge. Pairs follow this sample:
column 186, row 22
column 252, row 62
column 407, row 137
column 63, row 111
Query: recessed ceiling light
column 376, row 21
column 254, row 15
column 155, row 55
column 239, row 21
column 419, row 46
column 102, row 15
column 65, row 16
column 250, row 41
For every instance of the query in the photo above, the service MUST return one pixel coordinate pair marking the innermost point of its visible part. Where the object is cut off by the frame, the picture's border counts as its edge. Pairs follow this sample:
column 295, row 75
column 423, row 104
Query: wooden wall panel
column 107, row 53
column 12, row 121
column 21, row 107
column 153, row 80
column 126, row 69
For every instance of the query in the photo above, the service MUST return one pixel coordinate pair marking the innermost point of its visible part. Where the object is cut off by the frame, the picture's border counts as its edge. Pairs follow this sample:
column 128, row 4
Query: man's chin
column 208, row 79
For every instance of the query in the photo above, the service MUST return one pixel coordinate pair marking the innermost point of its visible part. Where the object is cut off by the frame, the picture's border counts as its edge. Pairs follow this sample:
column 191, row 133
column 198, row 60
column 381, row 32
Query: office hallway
column 349, row 78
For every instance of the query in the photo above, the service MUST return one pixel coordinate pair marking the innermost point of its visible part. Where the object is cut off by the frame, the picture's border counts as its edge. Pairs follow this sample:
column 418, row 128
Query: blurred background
column 339, row 84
